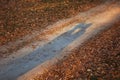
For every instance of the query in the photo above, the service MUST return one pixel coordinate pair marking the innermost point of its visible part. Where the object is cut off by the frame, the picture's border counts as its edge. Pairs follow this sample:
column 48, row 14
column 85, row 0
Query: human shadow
column 55, row 46
column 48, row 50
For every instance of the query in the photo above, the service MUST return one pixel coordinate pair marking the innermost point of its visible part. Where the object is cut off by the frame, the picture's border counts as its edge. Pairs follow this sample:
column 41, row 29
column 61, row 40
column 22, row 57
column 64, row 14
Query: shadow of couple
column 52, row 48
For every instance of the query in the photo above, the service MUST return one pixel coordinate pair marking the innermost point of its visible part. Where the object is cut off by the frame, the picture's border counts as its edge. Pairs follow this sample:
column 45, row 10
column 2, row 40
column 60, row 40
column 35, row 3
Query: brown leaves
column 18, row 18
column 89, row 61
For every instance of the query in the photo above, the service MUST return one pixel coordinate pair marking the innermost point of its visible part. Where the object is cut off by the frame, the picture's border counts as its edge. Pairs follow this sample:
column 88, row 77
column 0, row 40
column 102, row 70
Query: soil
column 97, row 59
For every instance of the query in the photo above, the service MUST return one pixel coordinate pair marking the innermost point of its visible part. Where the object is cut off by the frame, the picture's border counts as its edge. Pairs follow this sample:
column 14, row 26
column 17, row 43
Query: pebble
column 88, row 70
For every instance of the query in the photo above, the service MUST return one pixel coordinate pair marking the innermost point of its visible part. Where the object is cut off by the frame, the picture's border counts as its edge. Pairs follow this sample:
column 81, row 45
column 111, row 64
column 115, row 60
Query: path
column 68, row 38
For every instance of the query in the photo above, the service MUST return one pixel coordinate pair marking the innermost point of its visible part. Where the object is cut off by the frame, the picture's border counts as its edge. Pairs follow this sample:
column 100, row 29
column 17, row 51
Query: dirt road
column 57, row 41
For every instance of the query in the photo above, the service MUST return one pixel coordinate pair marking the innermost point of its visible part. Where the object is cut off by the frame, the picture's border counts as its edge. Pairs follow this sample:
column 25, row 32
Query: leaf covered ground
column 21, row 17
column 97, row 59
